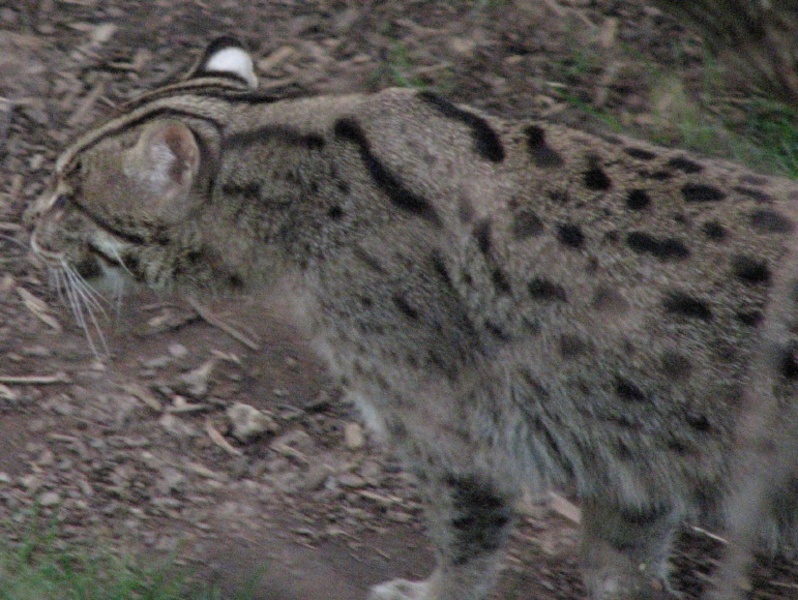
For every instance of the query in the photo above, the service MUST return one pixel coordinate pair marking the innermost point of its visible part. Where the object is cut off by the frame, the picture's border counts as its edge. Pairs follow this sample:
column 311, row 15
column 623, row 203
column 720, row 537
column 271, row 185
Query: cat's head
column 125, row 193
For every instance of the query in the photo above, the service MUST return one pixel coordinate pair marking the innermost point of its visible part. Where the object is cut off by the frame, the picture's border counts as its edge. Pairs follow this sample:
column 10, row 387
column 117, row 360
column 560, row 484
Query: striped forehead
column 181, row 99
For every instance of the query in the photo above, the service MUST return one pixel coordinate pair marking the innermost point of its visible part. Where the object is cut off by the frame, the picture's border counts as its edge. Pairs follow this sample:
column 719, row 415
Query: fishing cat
column 511, row 304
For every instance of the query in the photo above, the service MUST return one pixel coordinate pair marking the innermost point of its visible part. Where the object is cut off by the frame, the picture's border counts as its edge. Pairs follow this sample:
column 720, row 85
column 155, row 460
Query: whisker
column 119, row 284
column 88, row 297
column 119, row 296
column 115, row 254
column 93, row 297
column 57, row 281
column 82, row 298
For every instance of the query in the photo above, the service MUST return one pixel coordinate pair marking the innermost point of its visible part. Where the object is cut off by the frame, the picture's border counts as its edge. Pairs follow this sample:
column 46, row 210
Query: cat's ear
column 227, row 56
column 165, row 162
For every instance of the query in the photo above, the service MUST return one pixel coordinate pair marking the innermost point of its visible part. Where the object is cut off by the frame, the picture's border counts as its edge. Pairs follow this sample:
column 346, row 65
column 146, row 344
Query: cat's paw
column 400, row 589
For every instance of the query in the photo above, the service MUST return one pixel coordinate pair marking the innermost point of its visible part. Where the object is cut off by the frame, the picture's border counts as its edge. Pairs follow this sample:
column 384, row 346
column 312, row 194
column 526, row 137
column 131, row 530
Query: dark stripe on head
column 281, row 133
column 131, row 238
column 398, row 194
column 121, row 125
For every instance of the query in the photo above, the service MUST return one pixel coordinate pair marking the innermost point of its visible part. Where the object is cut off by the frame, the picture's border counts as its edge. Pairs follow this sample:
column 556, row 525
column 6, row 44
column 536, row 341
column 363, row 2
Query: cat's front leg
column 469, row 520
column 625, row 551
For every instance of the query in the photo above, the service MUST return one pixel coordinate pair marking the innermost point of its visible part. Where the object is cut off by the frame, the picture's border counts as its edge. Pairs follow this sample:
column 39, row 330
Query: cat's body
column 511, row 304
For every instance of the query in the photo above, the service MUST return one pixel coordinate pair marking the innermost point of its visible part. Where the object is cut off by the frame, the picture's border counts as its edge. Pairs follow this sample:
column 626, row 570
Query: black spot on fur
column 343, row 187
column 699, row 422
column 639, row 153
column 480, row 518
column 622, row 450
column 770, row 221
column 676, row 365
column 660, row 175
column 486, row 140
column 546, row 290
column 572, row 346
column 335, row 212
column 789, row 361
column 440, row 268
column 750, row 270
column 609, row 300
column 404, row 199
column 714, row 230
column 595, row 177
column 482, row 235
column 526, row 224
column 750, row 318
column 570, row 235
column 696, row 192
column 637, row 199
column 540, row 152
column 679, row 447
column 368, row 260
column 498, row 332
column 753, row 180
column 465, row 211
column 661, row 248
column 685, row 165
column 679, row 303
column 758, row 195
column 628, row 391
column 249, row 191
column 405, row 308
column 500, row 282
column 235, row 282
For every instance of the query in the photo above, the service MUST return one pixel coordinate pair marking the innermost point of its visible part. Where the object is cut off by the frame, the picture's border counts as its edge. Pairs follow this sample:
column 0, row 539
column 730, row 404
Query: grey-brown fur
column 513, row 305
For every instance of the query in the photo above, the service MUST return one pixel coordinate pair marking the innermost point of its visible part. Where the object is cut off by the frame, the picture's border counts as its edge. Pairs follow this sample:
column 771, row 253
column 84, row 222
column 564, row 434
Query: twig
column 86, row 104
column 218, row 439
column 219, row 324
column 59, row 377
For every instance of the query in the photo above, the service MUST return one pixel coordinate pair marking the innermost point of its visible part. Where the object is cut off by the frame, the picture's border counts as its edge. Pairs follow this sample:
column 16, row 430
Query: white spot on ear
column 162, row 160
column 233, row 60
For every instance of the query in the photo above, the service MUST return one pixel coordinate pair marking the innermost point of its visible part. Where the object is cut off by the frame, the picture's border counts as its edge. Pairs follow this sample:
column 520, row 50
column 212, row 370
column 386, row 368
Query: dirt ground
column 136, row 451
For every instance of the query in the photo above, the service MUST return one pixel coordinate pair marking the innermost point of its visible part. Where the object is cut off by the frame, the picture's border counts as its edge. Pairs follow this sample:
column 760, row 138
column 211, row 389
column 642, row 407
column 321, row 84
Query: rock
column 353, row 436
column 159, row 362
column 350, row 480
column 315, row 477
column 171, row 480
column 49, row 499
column 178, row 350
column 30, row 483
column 196, row 380
column 177, row 427
column 248, row 423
